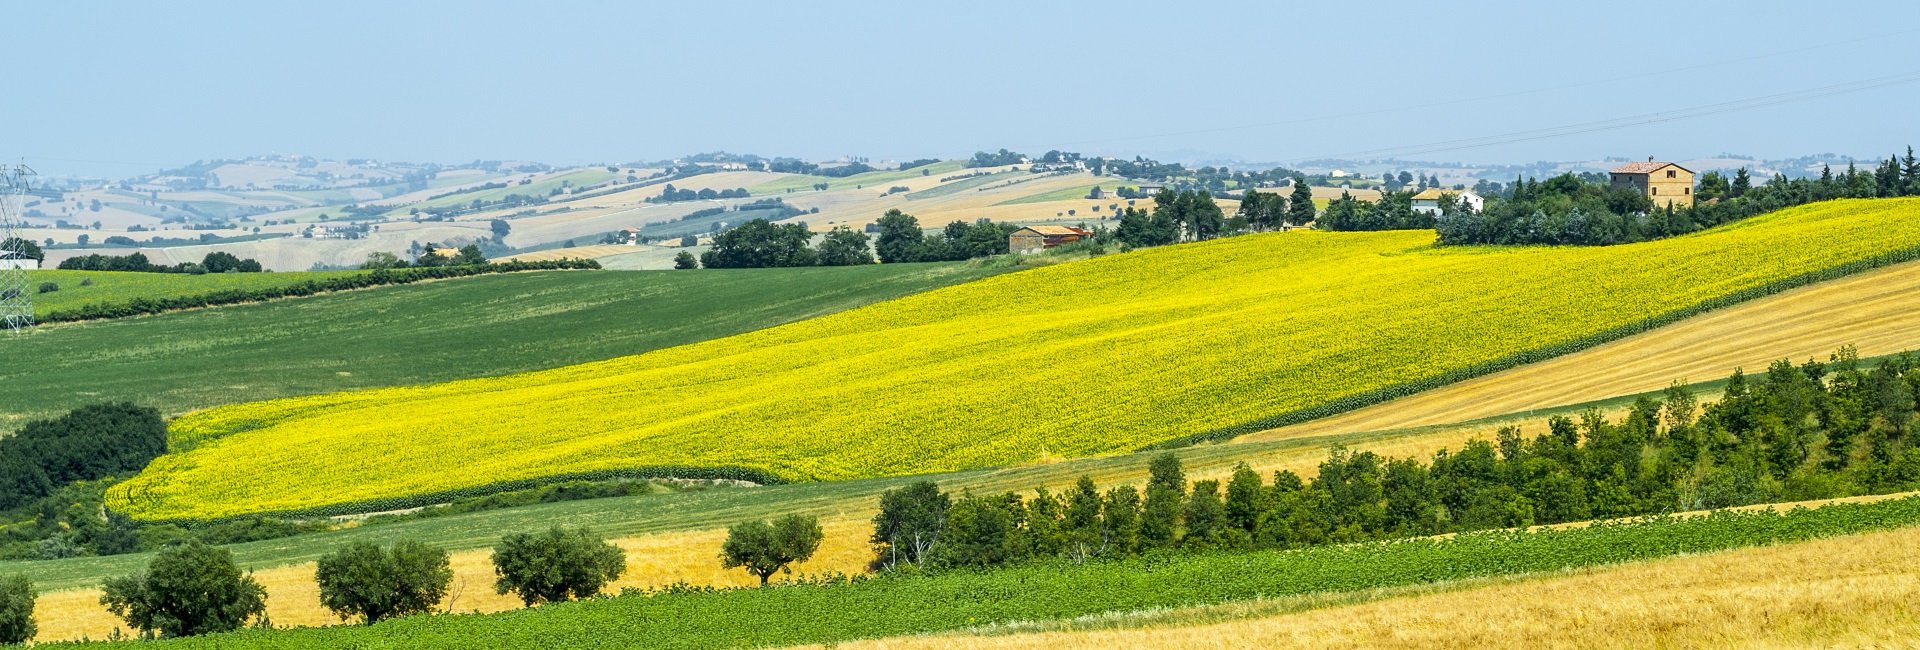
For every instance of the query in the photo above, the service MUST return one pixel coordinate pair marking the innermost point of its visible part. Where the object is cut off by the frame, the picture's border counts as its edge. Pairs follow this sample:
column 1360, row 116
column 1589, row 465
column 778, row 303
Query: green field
column 840, row 610
column 420, row 333
column 962, row 185
column 576, row 178
column 1163, row 346
column 118, row 287
column 873, row 179
column 1064, row 194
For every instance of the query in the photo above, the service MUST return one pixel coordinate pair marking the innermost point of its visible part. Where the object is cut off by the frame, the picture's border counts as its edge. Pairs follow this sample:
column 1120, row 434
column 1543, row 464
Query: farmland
column 1877, row 312
column 412, row 334
column 79, row 288
column 1222, row 320
column 1053, row 591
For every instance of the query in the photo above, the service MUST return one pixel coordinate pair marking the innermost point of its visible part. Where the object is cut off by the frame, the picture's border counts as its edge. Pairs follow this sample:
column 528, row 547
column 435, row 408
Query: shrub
column 189, row 589
column 373, row 583
column 557, row 565
column 49, row 287
column 16, row 610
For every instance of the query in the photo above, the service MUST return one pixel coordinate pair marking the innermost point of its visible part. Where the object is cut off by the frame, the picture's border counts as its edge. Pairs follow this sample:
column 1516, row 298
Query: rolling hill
column 1094, row 357
column 414, row 334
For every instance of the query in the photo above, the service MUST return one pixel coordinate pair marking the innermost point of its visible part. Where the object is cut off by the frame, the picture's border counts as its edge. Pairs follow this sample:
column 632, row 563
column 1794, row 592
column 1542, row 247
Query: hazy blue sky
column 121, row 88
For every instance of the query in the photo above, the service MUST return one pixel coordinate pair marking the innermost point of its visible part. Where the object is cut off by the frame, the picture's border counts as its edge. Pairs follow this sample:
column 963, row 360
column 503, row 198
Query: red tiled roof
column 1645, row 168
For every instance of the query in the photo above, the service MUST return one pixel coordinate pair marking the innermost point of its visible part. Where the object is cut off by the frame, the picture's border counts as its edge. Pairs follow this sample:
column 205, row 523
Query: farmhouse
column 1096, row 193
column 14, row 260
column 1669, row 185
column 1428, row 200
column 1033, row 239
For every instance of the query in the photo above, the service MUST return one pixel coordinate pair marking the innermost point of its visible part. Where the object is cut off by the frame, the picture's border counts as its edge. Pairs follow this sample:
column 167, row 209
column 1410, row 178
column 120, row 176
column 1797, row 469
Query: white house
column 1428, row 200
column 13, row 260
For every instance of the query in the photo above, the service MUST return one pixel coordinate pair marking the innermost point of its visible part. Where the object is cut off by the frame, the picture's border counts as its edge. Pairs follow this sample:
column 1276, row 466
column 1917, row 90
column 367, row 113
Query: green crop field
column 433, row 331
column 962, row 185
column 541, row 187
column 873, row 179
column 1151, row 347
column 110, row 287
column 917, row 604
column 1063, row 194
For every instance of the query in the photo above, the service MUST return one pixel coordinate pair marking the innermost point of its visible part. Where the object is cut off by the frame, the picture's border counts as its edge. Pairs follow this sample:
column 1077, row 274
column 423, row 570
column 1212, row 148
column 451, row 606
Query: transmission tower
column 16, row 302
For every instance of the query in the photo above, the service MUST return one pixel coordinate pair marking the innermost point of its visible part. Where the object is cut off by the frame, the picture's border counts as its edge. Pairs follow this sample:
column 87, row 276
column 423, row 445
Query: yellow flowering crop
column 1085, row 358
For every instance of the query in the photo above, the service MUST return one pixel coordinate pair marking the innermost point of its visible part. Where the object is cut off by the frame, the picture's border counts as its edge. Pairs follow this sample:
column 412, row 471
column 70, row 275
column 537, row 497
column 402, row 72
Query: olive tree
column 188, row 589
column 376, row 583
column 557, row 565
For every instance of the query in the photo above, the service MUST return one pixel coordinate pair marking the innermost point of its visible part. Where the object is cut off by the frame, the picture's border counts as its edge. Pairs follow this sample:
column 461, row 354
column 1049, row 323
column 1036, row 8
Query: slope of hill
column 1877, row 312
column 422, row 333
column 1075, row 359
column 80, row 288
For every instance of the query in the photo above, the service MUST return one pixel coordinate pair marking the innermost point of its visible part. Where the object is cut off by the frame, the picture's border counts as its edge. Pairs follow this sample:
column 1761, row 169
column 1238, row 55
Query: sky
column 121, row 88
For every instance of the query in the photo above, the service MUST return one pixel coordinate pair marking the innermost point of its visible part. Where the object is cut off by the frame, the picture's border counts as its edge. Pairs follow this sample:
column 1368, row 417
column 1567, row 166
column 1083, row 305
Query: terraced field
column 1074, row 359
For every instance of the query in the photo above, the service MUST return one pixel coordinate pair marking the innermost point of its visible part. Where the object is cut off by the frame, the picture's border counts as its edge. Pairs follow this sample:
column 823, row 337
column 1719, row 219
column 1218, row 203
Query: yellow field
column 1859, row 591
column 1878, row 312
column 575, row 253
column 1072, row 359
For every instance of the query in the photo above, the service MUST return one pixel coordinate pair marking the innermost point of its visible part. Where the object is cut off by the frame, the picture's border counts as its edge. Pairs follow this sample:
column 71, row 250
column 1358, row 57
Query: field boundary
column 1389, row 393
column 683, row 472
column 222, row 297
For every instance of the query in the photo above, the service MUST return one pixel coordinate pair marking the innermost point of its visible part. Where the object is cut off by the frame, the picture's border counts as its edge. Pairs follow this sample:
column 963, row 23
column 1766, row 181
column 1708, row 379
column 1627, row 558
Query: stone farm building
column 1428, row 200
column 1033, row 239
column 1664, row 182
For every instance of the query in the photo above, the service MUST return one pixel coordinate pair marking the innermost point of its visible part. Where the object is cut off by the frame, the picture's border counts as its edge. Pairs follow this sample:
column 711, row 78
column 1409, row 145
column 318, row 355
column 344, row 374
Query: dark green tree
column 1081, row 527
column 1245, row 498
column 1120, row 519
column 23, row 246
column 470, row 255
column 980, row 532
column 373, row 583
column 764, row 548
column 556, row 565
column 500, row 229
column 909, row 523
column 685, row 260
column 1741, row 183
column 1300, row 210
column 16, row 610
column 760, row 244
column 188, row 589
column 844, row 246
column 1166, row 496
column 1205, row 517
column 900, row 238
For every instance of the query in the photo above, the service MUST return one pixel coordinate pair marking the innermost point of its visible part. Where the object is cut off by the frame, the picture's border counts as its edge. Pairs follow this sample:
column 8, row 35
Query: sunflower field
column 1111, row 354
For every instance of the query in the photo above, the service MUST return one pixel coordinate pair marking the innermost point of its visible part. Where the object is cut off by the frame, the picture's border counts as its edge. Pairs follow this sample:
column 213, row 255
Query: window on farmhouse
column 1656, row 190
column 1670, row 173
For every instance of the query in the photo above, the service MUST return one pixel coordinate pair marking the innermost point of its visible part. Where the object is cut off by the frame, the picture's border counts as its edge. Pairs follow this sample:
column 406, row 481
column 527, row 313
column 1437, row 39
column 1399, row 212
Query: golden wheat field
column 1076, row 359
column 1858, row 591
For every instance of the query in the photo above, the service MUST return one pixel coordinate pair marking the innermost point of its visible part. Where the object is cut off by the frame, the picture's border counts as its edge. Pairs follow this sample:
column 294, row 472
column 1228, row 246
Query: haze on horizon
column 123, row 88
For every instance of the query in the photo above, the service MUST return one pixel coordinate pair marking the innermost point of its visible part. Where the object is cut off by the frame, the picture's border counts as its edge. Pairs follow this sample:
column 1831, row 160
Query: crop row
column 1111, row 354
column 847, row 609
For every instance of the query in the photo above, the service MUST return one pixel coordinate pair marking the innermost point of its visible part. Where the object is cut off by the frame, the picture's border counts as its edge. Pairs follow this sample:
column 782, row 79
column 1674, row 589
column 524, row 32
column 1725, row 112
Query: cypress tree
column 1300, row 210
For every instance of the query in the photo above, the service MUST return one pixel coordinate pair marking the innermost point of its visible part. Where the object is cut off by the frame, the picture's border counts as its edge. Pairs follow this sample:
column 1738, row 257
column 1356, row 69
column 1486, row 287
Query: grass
column 422, row 333
column 1093, row 357
column 875, row 180
column 964, row 184
column 1062, row 194
column 844, row 611
column 118, row 287
column 1855, row 591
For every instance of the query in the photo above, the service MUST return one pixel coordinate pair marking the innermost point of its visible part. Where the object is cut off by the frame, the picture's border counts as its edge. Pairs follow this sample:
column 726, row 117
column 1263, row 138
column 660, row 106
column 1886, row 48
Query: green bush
column 557, row 565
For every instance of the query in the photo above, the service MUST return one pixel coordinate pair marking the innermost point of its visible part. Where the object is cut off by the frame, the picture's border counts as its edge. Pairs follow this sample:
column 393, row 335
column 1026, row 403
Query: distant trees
column 761, row 244
column 373, row 583
column 500, row 229
column 16, row 610
column 685, row 260
column 214, row 262
column 1393, row 211
column 23, row 246
column 188, row 589
column 764, row 548
column 844, row 246
column 88, row 443
column 1262, row 211
column 901, row 239
column 918, row 163
column 996, row 159
column 670, row 194
column 556, row 565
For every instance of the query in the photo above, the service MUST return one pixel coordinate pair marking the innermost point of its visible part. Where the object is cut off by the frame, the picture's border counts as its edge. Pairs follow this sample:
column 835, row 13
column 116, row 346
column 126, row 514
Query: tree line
column 1815, row 431
column 671, row 194
column 1569, row 209
column 760, row 243
column 191, row 588
column 900, row 239
column 214, row 262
